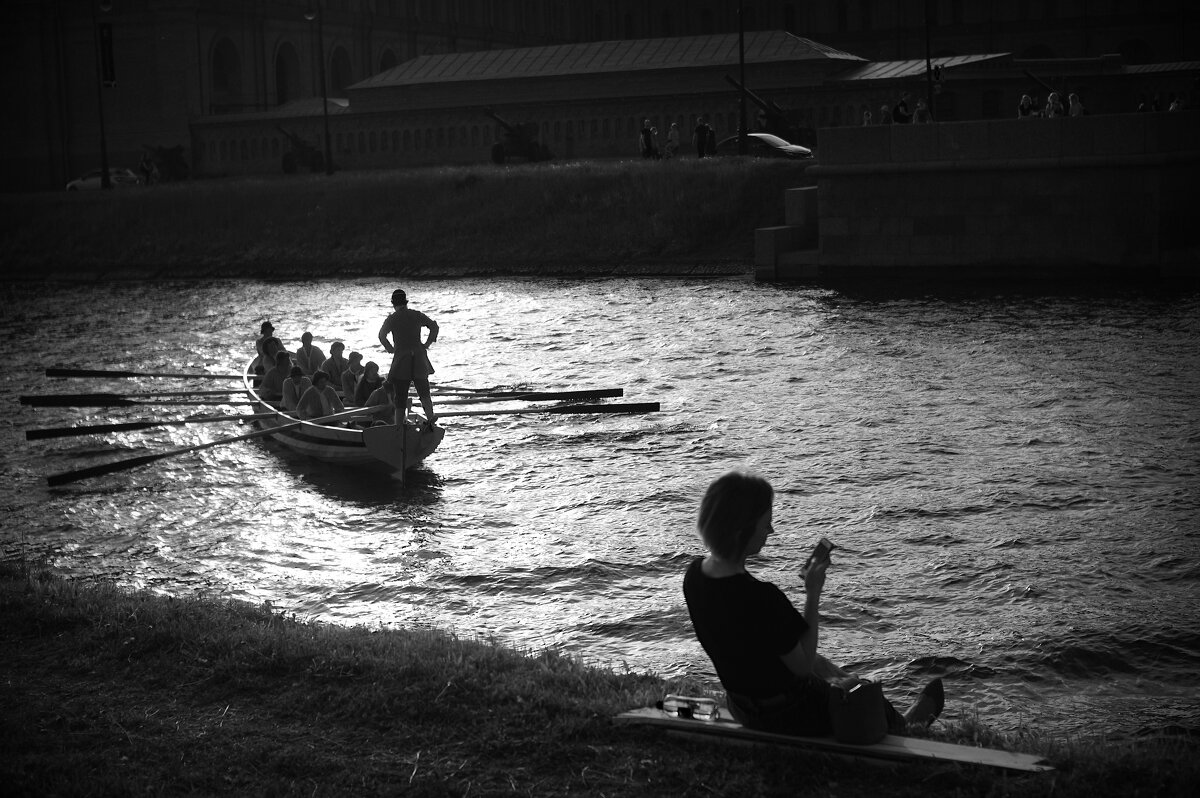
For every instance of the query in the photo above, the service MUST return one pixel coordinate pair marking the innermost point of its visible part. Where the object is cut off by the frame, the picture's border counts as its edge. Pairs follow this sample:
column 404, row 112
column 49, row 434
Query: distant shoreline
column 593, row 219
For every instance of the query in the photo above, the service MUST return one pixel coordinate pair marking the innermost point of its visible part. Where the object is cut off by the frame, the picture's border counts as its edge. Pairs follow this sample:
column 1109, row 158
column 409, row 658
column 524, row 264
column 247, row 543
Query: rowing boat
column 382, row 446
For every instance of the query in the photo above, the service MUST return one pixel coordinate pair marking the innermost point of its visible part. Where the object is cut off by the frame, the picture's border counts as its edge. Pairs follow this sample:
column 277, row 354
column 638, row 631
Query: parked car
column 118, row 176
column 764, row 145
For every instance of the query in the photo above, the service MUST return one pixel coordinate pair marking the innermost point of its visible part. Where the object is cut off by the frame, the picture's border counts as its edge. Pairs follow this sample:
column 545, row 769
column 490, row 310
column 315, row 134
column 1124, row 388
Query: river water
column 1011, row 480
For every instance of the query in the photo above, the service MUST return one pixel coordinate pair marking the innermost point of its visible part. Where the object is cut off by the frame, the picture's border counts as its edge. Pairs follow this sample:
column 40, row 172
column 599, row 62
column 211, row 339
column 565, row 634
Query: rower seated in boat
column 268, row 347
column 368, row 382
column 294, row 387
column 354, row 368
column 320, row 400
column 271, row 387
column 308, row 357
column 386, row 411
column 335, row 364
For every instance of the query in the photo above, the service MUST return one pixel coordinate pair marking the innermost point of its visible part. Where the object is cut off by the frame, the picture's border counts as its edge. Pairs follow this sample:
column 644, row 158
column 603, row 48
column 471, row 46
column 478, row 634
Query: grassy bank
column 546, row 218
column 112, row 692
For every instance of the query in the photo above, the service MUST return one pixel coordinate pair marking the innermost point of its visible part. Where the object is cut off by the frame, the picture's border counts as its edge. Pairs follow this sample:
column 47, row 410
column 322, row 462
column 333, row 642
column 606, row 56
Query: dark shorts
column 803, row 710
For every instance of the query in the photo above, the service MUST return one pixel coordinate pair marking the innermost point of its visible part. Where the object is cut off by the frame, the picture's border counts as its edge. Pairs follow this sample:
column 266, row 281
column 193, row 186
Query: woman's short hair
column 730, row 512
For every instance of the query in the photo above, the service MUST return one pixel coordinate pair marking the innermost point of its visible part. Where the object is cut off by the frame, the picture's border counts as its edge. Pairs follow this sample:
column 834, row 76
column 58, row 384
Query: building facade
column 181, row 65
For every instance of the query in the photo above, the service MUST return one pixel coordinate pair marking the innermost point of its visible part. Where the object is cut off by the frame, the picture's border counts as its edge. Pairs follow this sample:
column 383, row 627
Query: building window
column 287, row 74
column 226, row 77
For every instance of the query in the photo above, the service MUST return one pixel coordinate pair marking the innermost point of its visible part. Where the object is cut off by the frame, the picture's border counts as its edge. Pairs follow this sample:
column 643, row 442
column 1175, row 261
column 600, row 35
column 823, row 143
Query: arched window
column 387, row 60
column 226, row 75
column 340, row 73
column 287, row 74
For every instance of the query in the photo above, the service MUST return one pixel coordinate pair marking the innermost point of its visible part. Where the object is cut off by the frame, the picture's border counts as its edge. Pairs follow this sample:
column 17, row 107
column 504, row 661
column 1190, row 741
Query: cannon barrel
column 767, row 105
column 292, row 137
column 508, row 127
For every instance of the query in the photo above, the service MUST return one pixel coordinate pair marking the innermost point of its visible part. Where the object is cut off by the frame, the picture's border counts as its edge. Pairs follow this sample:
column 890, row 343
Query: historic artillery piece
column 520, row 141
column 776, row 120
column 301, row 154
column 163, row 164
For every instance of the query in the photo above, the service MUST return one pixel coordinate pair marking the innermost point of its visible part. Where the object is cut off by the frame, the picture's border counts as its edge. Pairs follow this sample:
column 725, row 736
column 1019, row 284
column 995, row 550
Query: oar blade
column 628, row 407
column 117, row 374
column 77, row 400
column 68, row 477
column 131, row 426
column 95, row 429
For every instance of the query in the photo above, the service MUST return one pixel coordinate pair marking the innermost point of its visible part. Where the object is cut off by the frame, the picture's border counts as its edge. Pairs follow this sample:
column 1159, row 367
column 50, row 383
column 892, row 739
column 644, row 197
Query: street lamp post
column 105, row 178
column 928, row 66
column 743, row 146
column 315, row 12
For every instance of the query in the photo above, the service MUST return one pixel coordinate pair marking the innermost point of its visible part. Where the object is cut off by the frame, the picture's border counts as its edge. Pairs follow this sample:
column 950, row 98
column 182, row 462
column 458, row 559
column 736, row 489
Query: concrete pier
column 1032, row 199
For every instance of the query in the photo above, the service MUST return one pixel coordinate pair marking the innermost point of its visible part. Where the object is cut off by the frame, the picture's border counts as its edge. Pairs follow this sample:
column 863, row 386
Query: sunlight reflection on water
column 1009, row 479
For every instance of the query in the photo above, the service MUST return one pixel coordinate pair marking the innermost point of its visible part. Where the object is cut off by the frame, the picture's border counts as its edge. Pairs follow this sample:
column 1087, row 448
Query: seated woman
column 267, row 346
column 271, row 387
column 384, row 398
column 294, row 387
column 764, row 651
column 308, row 357
column 368, row 381
column 350, row 375
column 320, row 400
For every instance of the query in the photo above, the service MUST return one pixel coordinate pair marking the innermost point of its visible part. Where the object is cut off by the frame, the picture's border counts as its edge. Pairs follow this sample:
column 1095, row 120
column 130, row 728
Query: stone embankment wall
column 1038, row 198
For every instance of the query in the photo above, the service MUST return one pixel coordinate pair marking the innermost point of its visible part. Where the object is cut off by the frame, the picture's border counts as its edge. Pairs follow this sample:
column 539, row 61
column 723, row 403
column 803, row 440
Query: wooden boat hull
column 382, row 447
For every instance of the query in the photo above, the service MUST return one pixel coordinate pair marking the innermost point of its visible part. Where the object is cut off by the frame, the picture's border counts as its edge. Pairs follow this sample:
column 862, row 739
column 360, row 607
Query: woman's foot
column 928, row 706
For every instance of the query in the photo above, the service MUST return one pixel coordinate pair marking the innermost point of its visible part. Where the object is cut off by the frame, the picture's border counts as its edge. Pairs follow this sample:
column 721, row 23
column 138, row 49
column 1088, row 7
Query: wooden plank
column 892, row 747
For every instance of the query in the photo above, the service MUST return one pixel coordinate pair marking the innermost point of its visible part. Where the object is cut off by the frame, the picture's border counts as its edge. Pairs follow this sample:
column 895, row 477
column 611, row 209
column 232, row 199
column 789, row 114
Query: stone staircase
column 790, row 251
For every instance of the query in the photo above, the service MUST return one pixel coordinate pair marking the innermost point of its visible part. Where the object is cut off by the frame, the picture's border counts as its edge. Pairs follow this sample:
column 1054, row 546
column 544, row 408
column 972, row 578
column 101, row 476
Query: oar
column 604, row 393
column 134, row 462
column 446, row 387
column 104, row 373
column 116, row 400
column 633, row 407
column 90, row 399
column 127, row 426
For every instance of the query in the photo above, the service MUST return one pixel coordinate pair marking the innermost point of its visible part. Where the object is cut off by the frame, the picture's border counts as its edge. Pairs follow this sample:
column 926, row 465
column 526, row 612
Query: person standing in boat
column 410, row 358
column 320, row 400
column 763, row 649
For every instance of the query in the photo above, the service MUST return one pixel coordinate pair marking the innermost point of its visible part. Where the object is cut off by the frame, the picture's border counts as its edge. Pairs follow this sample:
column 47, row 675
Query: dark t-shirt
column 745, row 626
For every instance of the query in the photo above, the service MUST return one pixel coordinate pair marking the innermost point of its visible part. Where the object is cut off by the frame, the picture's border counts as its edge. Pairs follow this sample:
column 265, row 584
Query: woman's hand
column 814, row 578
